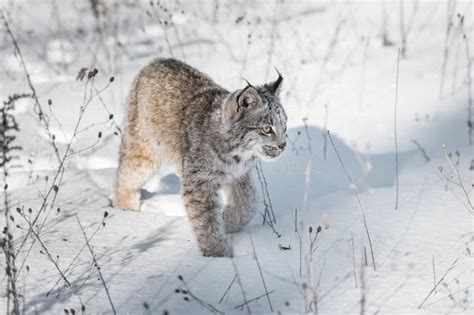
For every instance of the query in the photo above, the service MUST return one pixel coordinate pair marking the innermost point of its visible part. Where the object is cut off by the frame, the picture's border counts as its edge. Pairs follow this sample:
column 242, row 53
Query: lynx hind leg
column 133, row 172
column 241, row 204
column 203, row 209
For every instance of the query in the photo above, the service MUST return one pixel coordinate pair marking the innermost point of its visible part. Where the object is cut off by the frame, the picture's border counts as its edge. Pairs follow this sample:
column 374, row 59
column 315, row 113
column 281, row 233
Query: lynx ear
column 248, row 97
column 275, row 86
column 239, row 102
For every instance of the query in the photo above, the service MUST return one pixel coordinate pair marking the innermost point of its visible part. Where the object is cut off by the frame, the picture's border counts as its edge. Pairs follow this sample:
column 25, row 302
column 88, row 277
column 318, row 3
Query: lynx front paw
column 127, row 200
column 221, row 249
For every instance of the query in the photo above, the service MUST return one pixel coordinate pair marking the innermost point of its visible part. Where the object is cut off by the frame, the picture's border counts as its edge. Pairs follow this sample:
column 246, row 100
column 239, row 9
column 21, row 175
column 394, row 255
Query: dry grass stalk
column 359, row 202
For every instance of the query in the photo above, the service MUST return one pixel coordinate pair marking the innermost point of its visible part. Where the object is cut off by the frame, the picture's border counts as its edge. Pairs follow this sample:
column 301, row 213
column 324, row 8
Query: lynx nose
column 282, row 145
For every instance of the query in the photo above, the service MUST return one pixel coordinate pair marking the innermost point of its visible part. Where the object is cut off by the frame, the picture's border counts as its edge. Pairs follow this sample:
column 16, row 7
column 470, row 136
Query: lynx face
column 266, row 127
column 257, row 120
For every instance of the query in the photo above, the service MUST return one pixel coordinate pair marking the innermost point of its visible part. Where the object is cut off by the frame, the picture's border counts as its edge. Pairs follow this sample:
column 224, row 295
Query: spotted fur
column 177, row 116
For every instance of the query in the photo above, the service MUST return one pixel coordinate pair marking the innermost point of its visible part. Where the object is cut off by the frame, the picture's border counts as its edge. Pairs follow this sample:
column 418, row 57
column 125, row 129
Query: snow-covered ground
column 339, row 60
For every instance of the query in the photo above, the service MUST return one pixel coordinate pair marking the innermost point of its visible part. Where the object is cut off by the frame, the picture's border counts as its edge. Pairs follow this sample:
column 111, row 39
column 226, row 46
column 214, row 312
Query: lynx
column 178, row 117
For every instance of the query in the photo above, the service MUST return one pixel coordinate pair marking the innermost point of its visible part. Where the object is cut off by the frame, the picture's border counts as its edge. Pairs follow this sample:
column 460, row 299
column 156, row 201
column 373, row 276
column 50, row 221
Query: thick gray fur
column 178, row 116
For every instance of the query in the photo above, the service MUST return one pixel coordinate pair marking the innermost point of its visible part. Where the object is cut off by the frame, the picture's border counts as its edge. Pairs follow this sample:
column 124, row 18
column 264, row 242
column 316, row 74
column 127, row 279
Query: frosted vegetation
column 369, row 210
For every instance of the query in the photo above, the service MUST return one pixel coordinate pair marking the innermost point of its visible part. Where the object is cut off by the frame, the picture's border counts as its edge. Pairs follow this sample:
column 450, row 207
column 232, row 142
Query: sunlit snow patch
column 170, row 205
column 95, row 163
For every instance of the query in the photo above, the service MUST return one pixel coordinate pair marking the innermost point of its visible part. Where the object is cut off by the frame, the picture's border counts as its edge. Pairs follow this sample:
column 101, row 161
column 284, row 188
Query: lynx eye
column 266, row 130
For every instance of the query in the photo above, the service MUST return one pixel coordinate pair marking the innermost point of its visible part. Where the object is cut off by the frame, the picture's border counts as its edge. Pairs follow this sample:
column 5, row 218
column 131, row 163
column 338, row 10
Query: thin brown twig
column 239, row 282
column 353, row 259
column 451, row 5
column 203, row 303
column 308, row 137
column 434, row 272
column 268, row 214
column 469, row 84
column 395, row 129
column 227, row 290
column 325, row 137
column 363, row 297
column 438, row 283
column 77, row 255
column 254, row 299
column 422, row 151
column 31, row 228
column 104, row 105
column 267, row 199
column 96, row 264
column 359, row 202
column 464, row 289
column 299, row 240
column 301, row 251
column 405, row 29
column 42, row 208
column 468, row 203
column 313, row 304
column 296, row 220
column 261, row 273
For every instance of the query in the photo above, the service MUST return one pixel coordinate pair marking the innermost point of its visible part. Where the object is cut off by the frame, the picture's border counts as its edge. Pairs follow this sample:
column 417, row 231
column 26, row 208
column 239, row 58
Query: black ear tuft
column 275, row 86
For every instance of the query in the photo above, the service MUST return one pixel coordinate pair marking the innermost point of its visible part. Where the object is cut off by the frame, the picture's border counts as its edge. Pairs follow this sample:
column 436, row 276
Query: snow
column 334, row 63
